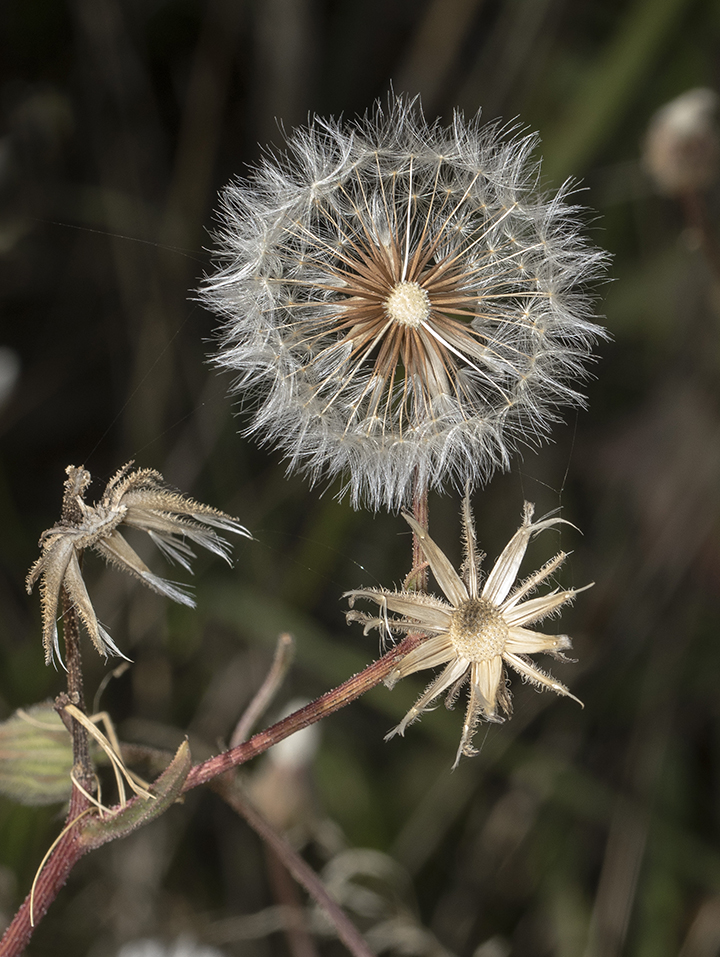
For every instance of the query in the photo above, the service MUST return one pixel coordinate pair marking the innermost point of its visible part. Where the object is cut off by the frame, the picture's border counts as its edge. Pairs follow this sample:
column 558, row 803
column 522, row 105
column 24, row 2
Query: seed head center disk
column 408, row 304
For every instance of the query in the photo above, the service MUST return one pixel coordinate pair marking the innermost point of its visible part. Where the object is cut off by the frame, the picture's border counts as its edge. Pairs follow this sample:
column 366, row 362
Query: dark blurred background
column 575, row 832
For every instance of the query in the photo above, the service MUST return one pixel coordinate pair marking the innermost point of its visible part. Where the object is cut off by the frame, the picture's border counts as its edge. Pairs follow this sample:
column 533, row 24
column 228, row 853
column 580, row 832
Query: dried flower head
column 405, row 301
column 478, row 630
column 136, row 499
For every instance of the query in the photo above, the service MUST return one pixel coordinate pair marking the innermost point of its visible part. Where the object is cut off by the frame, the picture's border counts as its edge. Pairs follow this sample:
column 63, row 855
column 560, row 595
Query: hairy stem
column 418, row 577
column 73, row 494
column 82, row 765
column 50, row 880
column 327, row 704
column 69, row 849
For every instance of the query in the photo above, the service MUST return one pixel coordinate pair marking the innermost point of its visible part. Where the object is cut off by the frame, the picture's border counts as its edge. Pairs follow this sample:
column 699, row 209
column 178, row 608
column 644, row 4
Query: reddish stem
column 69, row 849
column 327, row 704
column 50, row 881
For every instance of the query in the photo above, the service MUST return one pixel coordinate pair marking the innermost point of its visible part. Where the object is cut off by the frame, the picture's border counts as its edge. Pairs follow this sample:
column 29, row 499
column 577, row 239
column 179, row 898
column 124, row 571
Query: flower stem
column 82, row 765
column 52, row 877
column 72, row 514
column 418, row 577
column 70, row 848
column 327, row 704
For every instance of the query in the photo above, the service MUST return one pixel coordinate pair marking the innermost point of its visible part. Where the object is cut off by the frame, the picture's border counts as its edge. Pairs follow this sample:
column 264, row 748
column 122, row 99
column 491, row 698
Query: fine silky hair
column 401, row 303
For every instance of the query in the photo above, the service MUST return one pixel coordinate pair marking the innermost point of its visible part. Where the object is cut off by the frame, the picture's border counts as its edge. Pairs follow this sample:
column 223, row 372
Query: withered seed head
column 137, row 499
column 478, row 631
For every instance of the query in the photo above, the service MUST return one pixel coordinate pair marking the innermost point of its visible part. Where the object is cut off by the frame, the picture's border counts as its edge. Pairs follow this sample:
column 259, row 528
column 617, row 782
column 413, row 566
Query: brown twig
column 73, row 494
column 282, row 660
column 302, row 872
column 418, row 576
column 82, row 765
column 299, row 940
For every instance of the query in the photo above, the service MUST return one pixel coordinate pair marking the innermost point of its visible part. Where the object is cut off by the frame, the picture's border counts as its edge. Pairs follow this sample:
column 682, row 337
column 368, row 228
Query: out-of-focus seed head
column 682, row 146
column 400, row 302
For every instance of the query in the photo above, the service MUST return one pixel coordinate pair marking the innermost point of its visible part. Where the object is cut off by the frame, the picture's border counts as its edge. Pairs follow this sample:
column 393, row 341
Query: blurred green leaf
column 609, row 85
column 36, row 756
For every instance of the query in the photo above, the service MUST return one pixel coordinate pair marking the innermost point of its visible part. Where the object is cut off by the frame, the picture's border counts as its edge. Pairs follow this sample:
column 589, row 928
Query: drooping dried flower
column 478, row 630
column 137, row 499
column 401, row 301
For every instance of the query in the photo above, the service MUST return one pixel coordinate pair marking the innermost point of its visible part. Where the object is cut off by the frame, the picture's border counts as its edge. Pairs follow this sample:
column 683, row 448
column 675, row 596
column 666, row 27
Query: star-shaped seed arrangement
column 478, row 630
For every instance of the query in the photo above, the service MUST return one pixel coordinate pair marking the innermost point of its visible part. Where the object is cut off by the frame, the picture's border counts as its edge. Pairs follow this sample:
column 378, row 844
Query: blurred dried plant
column 682, row 144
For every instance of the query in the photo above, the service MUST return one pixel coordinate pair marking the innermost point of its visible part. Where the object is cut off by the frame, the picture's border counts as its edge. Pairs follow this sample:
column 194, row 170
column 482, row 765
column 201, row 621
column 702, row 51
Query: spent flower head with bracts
column 403, row 300
column 481, row 628
column 134, row 498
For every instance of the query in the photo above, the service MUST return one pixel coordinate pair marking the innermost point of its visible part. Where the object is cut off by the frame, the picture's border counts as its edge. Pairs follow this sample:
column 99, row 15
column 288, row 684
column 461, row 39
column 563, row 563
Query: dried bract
column 478, row 630
column 401, row 304
column 137, row 499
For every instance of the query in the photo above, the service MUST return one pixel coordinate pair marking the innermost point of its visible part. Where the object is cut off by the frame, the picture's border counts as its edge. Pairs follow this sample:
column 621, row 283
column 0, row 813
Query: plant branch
column 282, row 660
column 323, row 706
column 299, row 940
column 71, row 847
column 418, row 577
column 300, row 870
column 72, row 514
column 82, row 765
column 49, row 881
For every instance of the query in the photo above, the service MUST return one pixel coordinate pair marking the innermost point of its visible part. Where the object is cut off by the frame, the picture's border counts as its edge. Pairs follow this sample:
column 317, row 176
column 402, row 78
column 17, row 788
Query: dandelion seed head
column 400, row 301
